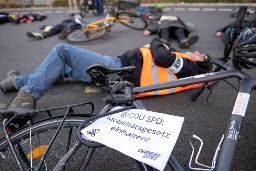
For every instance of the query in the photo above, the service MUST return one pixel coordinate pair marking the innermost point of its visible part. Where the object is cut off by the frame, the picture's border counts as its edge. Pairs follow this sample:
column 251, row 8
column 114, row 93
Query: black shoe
column 185, row 43
column 34, row 35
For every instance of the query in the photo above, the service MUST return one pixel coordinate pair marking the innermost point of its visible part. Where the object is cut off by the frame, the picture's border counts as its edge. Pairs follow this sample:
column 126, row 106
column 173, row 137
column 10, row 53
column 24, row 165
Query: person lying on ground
column 29, row 18
column 64, row 28
column 6, row 17
column 172, row 27
column 68, row 61
column 224, row 31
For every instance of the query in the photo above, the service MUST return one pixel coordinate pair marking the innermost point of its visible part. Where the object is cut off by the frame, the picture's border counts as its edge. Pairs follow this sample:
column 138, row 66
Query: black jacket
column 162, row 57
column 156, row 28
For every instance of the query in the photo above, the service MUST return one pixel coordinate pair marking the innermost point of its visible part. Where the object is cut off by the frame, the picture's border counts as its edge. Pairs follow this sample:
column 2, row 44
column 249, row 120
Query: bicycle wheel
column 41, row 134
column 132, row 20
column 81, row 36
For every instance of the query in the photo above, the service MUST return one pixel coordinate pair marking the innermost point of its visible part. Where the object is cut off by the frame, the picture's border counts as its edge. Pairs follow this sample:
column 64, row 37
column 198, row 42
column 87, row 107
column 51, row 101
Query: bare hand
column 218, row 34
column 146, row 33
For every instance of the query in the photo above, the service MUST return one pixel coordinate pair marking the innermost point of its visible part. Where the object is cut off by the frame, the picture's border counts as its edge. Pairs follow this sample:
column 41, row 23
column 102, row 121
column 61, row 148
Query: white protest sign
column 146, row 136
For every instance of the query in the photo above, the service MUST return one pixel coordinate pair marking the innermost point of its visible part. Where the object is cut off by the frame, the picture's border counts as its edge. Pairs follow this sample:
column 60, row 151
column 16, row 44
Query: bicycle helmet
column 245, row 49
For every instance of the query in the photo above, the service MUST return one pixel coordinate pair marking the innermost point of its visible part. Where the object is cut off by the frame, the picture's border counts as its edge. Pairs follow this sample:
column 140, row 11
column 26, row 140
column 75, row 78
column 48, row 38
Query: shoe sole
column 16, row 110
column 30, row 35
column 192, row 40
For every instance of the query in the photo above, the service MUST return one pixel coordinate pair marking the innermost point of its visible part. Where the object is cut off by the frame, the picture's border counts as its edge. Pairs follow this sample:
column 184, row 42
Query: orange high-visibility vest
column 153, row 74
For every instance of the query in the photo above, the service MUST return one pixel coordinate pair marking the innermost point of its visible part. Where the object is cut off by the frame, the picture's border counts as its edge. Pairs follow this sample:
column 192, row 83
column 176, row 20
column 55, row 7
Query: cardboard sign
column 146, row 136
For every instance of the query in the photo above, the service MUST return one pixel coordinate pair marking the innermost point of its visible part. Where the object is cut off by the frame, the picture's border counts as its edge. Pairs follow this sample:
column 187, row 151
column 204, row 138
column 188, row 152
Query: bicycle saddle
column 100, row 74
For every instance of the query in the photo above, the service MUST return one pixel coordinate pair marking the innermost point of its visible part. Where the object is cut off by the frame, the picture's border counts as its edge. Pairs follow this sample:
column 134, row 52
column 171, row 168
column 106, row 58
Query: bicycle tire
column 39, row 130
column 80, row 36
column 132, row 20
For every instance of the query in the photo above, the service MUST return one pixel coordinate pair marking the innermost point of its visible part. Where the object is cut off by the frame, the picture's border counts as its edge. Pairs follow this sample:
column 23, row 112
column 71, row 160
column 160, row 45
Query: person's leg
column 165, row 34
column 99, row 6
column 179, row 33
column 184, row 41
column 48, row 31
column 75, row 6
column 53, row 31
column 54, row 66
column 63, row 60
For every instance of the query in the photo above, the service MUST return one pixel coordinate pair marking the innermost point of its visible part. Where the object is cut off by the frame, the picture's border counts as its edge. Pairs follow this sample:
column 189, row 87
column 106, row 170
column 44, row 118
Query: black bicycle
column 122, row 95
column 86, row 6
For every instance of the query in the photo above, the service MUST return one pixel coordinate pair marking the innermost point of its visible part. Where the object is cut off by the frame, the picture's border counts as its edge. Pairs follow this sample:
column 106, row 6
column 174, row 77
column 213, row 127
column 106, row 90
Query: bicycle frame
column 232, row 134
column 94, row 25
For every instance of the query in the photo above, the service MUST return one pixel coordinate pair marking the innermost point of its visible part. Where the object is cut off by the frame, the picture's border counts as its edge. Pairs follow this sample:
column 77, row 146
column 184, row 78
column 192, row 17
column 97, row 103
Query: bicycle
column 98, row 28
column 86, row 6
column 122, row 94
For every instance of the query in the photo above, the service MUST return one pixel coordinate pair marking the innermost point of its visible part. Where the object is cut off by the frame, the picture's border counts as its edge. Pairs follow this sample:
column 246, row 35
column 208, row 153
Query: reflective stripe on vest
column 153, row 74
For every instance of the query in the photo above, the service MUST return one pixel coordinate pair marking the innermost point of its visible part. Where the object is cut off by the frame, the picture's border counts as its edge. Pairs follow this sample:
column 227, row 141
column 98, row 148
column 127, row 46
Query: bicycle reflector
column 245, row 49
column 37, row 152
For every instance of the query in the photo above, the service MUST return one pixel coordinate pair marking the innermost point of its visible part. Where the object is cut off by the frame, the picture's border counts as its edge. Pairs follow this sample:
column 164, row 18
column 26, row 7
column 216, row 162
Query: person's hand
column 197, row 56
column 218, row 34
column 173, row 18
column 146, row 33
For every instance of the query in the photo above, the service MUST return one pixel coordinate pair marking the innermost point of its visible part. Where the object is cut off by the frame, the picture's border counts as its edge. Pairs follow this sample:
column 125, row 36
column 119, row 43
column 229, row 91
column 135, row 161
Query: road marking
column 223, row 9
column 59, row 12
column 193, row 9
column 69, row 11
column 209, row 9
column 179, row 9
column 47, row 12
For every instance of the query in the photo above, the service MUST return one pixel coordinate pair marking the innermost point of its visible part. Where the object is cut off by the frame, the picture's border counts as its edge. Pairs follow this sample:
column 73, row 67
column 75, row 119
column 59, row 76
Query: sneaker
column 185, row 43
column 21, row 103
column 7, row 84
column 34, row 35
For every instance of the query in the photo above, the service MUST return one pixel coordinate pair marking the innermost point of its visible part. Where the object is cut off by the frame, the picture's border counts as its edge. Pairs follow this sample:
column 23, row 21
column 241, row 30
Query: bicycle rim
column 81, row 36
column 41, row 134
column 132, row 20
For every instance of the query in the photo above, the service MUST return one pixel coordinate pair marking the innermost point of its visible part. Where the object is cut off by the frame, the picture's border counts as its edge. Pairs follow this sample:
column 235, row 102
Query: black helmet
column 245, row 49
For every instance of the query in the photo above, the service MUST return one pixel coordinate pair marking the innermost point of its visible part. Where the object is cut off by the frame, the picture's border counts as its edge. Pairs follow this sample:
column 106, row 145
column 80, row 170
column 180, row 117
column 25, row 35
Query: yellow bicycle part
column 37, row 152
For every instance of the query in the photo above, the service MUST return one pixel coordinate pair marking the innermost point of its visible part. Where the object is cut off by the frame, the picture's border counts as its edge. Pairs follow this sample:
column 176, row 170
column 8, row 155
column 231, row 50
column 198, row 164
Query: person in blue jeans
column 68, row 61
column 99, row 7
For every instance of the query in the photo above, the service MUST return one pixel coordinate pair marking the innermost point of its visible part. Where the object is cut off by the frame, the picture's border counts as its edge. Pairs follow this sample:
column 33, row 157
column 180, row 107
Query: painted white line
column 209, row 9
column 59, row 12
column 193, row 9
column 69, row 11
column 225, row 9
column 167, row 9
column 179, row 9
column 47, row 12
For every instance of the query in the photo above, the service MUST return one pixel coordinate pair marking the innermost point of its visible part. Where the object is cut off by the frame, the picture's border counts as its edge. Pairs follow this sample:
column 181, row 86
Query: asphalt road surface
column 208, row 120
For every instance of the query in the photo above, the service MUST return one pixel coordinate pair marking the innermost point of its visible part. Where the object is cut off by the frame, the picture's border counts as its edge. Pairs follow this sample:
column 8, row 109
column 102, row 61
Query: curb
column 250, row 5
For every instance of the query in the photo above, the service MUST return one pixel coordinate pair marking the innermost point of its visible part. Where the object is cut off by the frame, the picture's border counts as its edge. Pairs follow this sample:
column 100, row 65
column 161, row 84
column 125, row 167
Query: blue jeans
column 63, row 61
column 99, row 6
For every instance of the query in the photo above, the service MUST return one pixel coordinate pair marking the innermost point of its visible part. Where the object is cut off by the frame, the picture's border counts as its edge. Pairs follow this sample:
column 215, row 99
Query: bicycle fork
column 204, row 167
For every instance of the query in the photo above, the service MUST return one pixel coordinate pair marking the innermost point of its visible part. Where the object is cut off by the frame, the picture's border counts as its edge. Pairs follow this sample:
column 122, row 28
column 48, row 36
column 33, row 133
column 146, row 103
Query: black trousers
column 53, row 31
column 176, row 33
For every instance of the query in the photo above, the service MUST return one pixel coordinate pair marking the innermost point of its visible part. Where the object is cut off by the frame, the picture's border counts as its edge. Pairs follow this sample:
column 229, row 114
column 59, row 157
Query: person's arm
column 152, row 29
column 225, row 27
column 182, row 22
column 163, row 57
